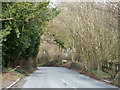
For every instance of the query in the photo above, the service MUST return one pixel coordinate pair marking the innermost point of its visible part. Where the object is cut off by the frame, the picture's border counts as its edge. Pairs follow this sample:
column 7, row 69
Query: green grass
column 21, row 71
column 11, row 74
column 41, row 64
column 100, row 73
column 115, row 83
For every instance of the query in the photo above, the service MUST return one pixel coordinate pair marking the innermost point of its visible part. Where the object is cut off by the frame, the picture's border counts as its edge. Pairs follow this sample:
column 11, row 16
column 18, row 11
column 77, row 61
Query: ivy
column 23, row 24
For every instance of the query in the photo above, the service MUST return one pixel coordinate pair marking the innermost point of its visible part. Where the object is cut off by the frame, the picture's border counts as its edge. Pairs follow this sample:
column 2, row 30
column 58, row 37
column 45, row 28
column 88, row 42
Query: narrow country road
column 59, row 77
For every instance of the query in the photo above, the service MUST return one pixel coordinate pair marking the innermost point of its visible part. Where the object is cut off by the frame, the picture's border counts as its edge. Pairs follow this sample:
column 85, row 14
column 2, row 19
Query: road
column 59, row 77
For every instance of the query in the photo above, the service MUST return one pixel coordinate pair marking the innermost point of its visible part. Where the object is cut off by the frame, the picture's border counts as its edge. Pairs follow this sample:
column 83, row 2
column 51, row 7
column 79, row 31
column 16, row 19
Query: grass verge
column 9, row 75
column 95, row 74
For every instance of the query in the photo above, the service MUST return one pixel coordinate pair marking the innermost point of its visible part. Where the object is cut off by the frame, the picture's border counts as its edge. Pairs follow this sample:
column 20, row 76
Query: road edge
column 13, row 83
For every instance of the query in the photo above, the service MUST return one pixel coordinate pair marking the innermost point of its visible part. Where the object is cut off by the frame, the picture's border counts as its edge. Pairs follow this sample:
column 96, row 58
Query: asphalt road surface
column 59, row 77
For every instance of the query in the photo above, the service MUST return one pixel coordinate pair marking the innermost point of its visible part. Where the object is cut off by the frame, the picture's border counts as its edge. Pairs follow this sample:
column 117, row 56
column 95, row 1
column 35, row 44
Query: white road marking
column 13, row 84
column 65, row 81
column 68, row 84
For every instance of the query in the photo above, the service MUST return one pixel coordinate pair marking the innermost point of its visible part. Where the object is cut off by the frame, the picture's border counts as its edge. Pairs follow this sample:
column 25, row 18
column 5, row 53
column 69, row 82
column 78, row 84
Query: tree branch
column 6, row 19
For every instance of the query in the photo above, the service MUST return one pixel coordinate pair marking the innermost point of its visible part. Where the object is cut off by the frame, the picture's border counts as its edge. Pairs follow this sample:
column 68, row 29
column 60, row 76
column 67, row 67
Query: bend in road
column 59, row 77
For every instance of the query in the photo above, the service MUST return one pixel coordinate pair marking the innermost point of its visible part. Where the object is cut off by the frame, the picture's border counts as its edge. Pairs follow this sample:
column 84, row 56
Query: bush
column 78, row 66
column 52, row 63
column 21, row 33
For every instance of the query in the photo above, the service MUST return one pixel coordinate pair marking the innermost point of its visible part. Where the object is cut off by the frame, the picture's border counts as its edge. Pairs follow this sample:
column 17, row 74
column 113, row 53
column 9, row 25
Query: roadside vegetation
column 84, row 35
column 23, row 24
column 9, row 76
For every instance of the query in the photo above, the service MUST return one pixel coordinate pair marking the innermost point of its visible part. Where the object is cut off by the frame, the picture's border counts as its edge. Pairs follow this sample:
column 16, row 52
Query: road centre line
column 65, row 82
column 68, row 84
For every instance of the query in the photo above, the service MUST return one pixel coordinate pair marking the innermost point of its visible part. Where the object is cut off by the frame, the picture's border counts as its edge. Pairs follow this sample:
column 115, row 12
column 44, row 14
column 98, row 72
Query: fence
column 112, row 68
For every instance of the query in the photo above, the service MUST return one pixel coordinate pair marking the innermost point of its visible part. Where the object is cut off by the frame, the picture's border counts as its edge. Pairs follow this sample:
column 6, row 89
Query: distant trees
column 90, row 31
column 23, row 23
